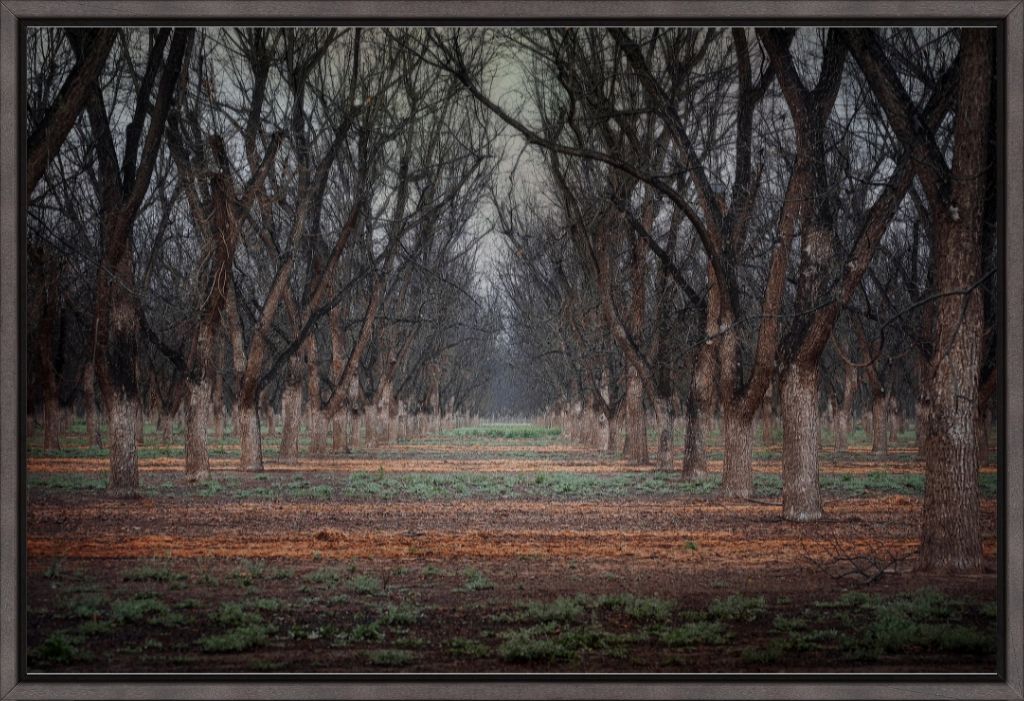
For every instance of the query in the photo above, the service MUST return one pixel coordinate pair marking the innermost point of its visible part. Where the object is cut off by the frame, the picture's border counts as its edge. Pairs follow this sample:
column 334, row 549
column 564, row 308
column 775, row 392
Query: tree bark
column 291, row 408
column 801, row 494
column 879, row 425
column 695, row 463
column 738, row 440
column 636, row 422
column 249, row 439
column 197, row 413
column 951, row 533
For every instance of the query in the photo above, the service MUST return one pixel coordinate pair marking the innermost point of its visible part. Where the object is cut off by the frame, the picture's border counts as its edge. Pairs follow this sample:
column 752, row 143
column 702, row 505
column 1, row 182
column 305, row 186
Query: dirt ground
column 467, row 553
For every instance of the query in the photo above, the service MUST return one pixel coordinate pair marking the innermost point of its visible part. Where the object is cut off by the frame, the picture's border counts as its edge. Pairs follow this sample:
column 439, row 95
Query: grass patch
column 58, row 648
column 476, row 580
column 365, row 584
column 639, row 608
column 239, row 639
column 737, row 608
column 696, row 633
column 467, row 647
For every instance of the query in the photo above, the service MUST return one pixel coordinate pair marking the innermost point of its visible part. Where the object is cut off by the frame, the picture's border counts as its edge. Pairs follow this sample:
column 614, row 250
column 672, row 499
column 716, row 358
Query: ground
column 491, row 548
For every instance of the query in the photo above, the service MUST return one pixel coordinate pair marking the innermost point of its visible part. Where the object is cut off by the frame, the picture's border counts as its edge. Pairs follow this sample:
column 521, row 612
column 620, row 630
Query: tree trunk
column 921, row 424
column 249, row 439
column 951, row 533
column 666, row 428
column 695, row 461
column 291, row 407
column 167, row 428
column 879, row 425
column 636, row 423
column 124, row 458
column 217, row 401
column 845, row 408
column 197, row 413
column 92, row 429
column 738, row 439
column 801, row 494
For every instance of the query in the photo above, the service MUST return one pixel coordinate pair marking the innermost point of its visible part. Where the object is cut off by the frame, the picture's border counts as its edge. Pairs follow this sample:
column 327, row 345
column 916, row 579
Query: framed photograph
column 471, row 349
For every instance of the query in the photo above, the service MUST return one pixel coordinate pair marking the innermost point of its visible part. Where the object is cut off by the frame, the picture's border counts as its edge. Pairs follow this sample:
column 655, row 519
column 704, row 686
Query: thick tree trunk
column 636, row 423
column 695, row 462
column 249, row 439
column 879, row 425
column 801, row 494
column 124, row 459
column 951, row 533
column 197, row 412
column 738, row 439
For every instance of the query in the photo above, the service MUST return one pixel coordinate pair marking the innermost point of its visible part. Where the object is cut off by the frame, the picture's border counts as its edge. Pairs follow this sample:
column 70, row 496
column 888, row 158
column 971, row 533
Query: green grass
column 737, row 608
column 695, row 633
column 476, row 580
column 146, row 608
column 58, row 648
column 639, row 608
column 467, row 647
column 507, row 431
column 365, row 584
column 240, row 639
column 403, row 614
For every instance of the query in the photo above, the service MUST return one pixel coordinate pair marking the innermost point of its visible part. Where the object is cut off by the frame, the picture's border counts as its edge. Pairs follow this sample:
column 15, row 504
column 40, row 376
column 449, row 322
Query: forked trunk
column 801, row 494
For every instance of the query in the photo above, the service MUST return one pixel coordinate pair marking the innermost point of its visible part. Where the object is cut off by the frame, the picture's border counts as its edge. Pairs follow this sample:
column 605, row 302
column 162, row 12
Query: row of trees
column 700, row 222
column 732, row 211
column 247, row 217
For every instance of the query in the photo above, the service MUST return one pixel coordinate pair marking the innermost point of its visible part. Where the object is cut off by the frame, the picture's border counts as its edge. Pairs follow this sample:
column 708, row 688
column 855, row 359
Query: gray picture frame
column 1006, row 13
